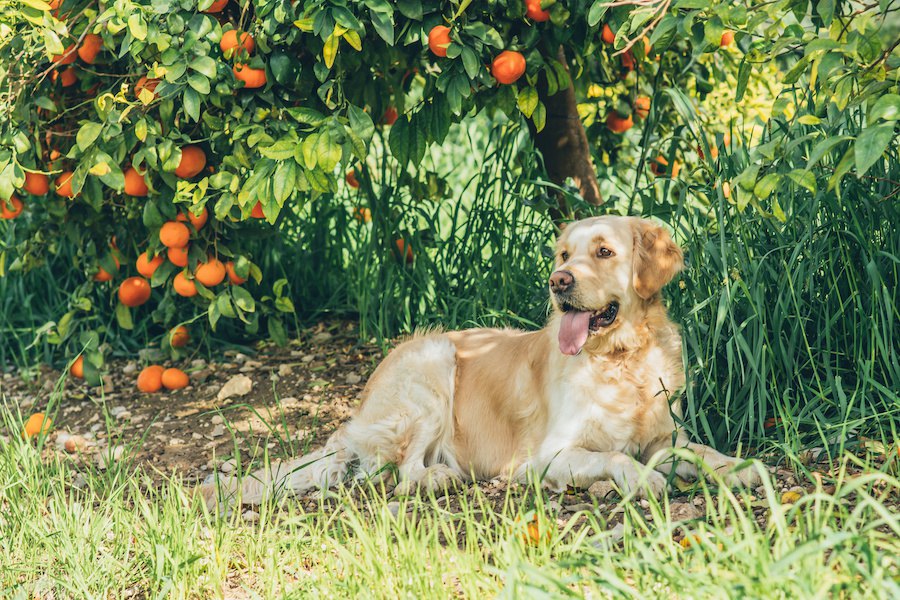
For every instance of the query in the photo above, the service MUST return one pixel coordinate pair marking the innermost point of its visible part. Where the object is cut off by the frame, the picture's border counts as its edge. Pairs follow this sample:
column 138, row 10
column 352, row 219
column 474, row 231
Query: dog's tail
column 320, row 468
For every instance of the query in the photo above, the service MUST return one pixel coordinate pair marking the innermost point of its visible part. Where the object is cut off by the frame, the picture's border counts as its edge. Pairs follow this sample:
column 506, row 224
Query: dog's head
column 607, row 268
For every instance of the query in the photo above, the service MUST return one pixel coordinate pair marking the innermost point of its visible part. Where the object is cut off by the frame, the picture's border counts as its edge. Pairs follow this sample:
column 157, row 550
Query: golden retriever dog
column 591, row 396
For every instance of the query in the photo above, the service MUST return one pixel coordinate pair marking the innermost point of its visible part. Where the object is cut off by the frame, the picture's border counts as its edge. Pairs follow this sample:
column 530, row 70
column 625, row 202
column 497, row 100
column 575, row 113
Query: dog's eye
column 564, row 256
column 604, row 252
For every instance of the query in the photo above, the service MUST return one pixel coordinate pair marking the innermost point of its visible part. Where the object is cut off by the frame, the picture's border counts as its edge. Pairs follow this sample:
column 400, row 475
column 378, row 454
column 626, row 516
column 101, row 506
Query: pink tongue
column 573, row 331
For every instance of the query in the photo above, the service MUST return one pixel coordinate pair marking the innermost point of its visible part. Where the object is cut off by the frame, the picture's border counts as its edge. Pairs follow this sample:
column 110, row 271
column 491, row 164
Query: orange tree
column 157, row 137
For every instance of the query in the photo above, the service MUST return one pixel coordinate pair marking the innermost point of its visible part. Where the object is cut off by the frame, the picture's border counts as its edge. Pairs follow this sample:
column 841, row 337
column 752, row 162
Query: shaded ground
column 292, row 399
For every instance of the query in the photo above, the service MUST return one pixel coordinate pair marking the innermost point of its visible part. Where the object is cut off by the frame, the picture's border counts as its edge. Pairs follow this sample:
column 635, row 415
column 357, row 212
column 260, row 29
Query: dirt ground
column 279, row 402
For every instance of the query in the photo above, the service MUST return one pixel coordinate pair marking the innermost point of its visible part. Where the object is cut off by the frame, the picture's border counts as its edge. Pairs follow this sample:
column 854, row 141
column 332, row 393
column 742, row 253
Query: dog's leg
column 321, row 468
column 581, row 468
column 722, row 464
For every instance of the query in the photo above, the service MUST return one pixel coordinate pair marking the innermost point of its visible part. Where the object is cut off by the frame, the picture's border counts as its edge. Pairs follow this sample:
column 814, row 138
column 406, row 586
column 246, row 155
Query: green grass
column 81, row 532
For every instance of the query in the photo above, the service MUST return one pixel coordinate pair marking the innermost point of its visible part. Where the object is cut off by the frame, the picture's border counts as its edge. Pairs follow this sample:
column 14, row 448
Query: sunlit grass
column 83, row 532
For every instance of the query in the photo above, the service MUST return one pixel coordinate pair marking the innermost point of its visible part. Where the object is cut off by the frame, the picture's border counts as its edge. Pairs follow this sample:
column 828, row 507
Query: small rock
column 250, row 516
column 285, row 370
column 227, row 466
column 217, row 420
column 61, row 438
column 198, row 363
column 601, row 489
column 176, row 442
column 684, row 511
column 322, row 336
column 393, row 508
column 290, row 402
column 106, row 457
column 201, row 376
column 240, row 358
column 353, row 378
column 129, row 368
column 75, row 443
column 218, row 431
column 117, row 410
column 574, row 508
column 239, row 385
column 308, row 358
column 79, row 482
column 554, row 505
column 196, row 436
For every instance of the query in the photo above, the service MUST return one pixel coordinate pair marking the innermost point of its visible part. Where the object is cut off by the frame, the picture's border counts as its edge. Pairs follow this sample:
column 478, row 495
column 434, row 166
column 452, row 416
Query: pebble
column 75, row 443
column 217, row 420
column 176, row 442
column 129, row 368
column 684, row 511
column 106, row 457
column 285, row 370
column 198, row 363
column 196, row 436
column 218, row 431
column 323, row 336
column 239, row 385
column 240, row 358
column 574, row 508
column 250, row 516
column 290, row 402
column 227, row 466
column 353, row 378
column 393, row 508
column 307, row 358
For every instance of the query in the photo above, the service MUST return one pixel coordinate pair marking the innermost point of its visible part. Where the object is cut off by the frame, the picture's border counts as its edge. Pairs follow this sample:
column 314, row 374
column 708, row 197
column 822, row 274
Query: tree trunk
column 563, row 143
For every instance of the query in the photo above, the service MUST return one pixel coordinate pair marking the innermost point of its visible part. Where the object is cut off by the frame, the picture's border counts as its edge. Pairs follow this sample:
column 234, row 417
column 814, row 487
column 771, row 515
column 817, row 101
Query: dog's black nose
column 561, row 281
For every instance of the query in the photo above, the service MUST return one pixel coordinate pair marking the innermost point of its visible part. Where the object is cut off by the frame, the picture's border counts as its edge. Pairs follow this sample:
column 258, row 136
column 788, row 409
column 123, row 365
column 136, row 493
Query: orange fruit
column 362, row 214
column 36, row 424
column 135, row 183
column 193, row 159
column 77, row 368
column 184, row 286
column 390, row 116
column 147, row 266
column 103, row 274
column 234, row 38
column 197, row 221
column 179, row 337
column 727, row 38
column 64, row 184
column 628, row 61
column 252, row 78
column 36, row 184
column 149, row 380
column 12, row 208
column 642, row 106
column 508, row 66
column 659, row 166
column 174, row 235
column 439, row 39
column 174, row 379
column 534, row 11
column 90, row 48
column 217, row 6
column 211, row 273
column 406, row 249
column 351, row 180
column 178, row 256
column 66, row 78
column 149, row 84
column 67, row 57
column 233, row 277
column 134, row 291
column 617, row 123
column 607, row 34
column 257, row 212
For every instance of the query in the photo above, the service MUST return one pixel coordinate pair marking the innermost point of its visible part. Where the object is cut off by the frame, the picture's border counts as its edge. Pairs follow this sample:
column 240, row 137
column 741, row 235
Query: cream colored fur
column 494, row 402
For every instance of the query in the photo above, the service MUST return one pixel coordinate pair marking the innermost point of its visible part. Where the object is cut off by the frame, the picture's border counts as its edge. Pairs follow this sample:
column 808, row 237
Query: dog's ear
column 657, row 259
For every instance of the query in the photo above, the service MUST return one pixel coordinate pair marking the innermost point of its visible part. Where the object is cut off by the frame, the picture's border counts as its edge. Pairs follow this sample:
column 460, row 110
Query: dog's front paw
column 643, row 482
column 747, row 476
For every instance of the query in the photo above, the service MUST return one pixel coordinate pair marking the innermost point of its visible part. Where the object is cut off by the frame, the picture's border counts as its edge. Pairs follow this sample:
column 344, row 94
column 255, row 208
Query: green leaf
column 407, row 141
column 204, row 65
column 470, row 62
column 283, row 180
column 242, row 299
column 199, row 83
column 539, row 116
column 886, row 108
column 277, row 332
column 360, row 122
column 870, row 145
column 411, row 9
column 767, row 185
column 330, row 50
column 384, row 26
column 528, row 101
column 804, row 179
column 87, row 135
column 192, row 104
column 598, row 9
column 137, row 27
column 823, row 147
column 123, row 317
column 744, row 72
column 283, row 149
